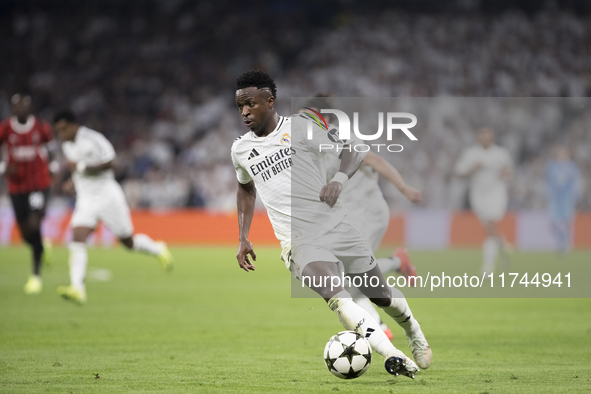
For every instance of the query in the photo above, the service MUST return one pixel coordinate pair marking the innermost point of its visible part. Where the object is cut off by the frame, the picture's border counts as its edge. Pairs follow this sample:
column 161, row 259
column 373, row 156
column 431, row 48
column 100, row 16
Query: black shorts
column 25, row 203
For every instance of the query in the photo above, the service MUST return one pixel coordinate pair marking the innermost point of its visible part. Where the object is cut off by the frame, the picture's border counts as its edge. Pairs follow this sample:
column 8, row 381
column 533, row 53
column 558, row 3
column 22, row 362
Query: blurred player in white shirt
column 368, row 208
column 99, row 197
column 488, row 167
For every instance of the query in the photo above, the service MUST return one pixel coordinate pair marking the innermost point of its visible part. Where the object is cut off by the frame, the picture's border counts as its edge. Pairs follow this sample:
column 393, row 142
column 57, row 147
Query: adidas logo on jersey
column 253, row 154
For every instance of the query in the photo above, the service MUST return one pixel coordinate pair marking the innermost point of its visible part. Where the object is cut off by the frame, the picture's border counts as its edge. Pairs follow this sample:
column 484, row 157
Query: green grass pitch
column 210, row 327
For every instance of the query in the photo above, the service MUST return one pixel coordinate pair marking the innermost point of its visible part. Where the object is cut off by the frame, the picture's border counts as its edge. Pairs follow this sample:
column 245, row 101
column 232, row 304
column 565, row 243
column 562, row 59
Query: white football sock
column 389, row 264
column 366, row 304
column 143, row 243
column 401, row 313
column 355, row 318
column 78, row 261
column 490, row 250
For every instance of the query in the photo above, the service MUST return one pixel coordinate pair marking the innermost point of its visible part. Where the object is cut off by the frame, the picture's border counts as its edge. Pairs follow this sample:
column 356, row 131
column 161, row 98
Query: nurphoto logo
column 341, row 136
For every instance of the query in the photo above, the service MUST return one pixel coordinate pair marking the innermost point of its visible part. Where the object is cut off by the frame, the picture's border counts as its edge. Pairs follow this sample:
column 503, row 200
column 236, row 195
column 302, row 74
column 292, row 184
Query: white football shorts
column 343, row 243
column 109, row 207
column 490, row 206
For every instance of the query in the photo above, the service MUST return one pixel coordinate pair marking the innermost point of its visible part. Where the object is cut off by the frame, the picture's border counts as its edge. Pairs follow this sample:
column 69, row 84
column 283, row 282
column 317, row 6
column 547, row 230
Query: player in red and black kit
column 24, row 140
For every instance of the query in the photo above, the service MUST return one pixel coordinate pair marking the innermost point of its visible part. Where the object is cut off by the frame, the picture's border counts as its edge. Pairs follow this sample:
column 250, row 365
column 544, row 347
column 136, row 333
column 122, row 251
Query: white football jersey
column 363, row 198
column 486, row 179
column 91, row 148
column 362, row 184
column 289, row 172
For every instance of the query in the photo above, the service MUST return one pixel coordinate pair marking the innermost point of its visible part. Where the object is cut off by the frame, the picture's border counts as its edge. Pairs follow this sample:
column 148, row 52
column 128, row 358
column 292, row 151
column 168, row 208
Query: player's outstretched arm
column 350, row 163
column 245, row 201
column 388, row 171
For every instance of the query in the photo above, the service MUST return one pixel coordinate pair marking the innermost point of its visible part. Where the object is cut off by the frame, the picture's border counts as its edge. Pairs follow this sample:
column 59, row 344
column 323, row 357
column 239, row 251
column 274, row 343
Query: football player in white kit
column 368, row 209
column 99, row 197
column 488, row 167
column 305, row 205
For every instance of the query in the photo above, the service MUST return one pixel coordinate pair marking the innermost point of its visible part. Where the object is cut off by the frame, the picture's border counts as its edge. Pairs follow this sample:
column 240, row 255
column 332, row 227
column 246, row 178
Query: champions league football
column 347, row 355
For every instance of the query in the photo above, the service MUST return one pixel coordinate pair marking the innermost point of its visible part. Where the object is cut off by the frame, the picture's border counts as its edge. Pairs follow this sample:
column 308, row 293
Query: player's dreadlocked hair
column 258, row 79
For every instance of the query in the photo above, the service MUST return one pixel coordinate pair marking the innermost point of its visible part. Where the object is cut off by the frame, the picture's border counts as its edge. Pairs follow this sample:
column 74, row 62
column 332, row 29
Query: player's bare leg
column 143, row 243
column 355, row 318
column 392, row 301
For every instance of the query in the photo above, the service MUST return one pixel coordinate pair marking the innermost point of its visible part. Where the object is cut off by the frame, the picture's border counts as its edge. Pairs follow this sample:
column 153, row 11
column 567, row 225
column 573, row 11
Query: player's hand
column 68, row 187
column 477, row 166
column 414, row 195
column 244, row 250
column 330, row 193
column 71, row 166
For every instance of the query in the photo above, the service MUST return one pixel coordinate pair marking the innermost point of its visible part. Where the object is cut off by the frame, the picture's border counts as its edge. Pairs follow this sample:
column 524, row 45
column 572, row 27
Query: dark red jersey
column 27, row 168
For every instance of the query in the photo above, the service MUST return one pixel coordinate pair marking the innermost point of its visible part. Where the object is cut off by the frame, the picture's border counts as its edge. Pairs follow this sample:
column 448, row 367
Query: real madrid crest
column 285, row 139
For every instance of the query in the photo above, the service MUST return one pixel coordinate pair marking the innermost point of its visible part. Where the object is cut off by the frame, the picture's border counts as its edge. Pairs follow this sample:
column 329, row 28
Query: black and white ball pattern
column 347, row 355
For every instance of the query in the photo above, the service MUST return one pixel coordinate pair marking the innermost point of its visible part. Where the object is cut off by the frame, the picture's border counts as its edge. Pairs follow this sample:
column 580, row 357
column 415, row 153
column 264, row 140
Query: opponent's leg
column 30, row 209
column 32, row 236
column 355, row 318
column 399, row 262
column 389, row 264
column 35, row 240
column 78, row 261
column 392, row 301
column 144, row 244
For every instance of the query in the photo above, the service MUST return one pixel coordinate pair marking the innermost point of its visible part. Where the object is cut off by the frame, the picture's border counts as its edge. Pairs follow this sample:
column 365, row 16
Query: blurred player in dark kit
column 27, row 168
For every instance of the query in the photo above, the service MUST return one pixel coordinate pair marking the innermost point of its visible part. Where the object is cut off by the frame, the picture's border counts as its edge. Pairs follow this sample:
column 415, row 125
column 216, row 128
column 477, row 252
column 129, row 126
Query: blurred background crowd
column 157, row 78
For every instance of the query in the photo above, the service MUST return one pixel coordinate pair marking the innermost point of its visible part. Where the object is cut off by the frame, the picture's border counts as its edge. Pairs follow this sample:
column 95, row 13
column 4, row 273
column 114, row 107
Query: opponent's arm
column 350, row 163
column 245, row 201
column 2, row 163
column 388, row 171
